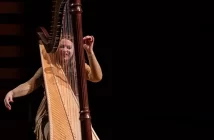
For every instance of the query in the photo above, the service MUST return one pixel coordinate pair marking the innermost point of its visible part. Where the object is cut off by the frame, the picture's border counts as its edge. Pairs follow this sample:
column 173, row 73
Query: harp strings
column 64, row 59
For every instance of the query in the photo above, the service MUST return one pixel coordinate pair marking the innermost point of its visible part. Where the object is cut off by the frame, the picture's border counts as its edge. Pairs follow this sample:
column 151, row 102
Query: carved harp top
column 51, row 39
column 64, row 73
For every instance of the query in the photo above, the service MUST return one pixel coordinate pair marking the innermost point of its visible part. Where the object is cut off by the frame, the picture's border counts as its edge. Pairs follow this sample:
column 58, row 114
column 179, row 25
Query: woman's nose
column 65, row 49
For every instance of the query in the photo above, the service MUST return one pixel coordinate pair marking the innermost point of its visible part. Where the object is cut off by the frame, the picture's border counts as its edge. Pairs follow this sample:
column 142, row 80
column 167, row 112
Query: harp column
column 76, row 12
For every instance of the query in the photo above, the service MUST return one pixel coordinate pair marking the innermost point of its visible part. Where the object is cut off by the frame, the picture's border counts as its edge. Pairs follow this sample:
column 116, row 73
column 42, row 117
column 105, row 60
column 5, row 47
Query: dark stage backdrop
column 177, row 99
column 19, row 59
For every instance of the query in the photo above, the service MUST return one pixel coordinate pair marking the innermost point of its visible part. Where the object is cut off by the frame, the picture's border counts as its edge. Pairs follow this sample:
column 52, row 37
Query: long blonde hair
column 71, row 72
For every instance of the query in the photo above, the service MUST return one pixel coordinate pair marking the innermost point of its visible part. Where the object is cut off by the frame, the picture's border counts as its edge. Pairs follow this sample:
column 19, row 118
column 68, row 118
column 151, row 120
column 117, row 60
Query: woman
column 66, row 52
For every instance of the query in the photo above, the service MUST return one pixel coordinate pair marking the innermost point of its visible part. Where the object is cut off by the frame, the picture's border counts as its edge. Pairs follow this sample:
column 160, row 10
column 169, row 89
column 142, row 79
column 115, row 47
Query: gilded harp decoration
column 63, row 63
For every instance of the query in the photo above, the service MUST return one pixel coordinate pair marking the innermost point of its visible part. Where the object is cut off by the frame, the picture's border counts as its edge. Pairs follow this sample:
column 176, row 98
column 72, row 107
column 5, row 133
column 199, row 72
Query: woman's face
column 66, row 49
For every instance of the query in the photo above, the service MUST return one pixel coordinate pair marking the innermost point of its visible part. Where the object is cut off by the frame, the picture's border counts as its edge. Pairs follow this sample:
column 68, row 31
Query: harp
column 65, row 81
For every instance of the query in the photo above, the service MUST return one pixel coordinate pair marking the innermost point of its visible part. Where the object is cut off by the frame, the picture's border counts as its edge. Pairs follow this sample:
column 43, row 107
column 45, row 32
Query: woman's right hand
column 8, row 98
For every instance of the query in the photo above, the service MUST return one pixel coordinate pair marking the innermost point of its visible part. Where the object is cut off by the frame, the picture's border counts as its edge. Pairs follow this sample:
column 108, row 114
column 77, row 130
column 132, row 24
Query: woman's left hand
column 88, row 44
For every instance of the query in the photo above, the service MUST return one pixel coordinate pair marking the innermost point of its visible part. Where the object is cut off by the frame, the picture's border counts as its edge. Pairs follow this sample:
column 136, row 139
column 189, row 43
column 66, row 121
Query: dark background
column 177, row 99
column 168, row 64
column 19, row 122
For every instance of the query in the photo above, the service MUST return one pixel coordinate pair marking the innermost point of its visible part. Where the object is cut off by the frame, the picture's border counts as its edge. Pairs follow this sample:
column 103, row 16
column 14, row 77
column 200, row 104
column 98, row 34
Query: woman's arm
column 24, row 88
column 29, row 86
column 93, row 70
